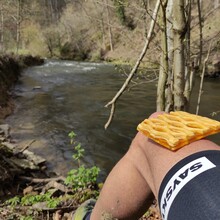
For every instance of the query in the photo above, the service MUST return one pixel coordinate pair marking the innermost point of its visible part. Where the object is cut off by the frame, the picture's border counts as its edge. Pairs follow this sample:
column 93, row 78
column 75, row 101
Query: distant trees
column 17, row 15
column 67, row 27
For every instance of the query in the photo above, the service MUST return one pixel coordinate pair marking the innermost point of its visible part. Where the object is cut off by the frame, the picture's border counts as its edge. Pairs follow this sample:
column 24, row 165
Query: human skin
column 135, row 180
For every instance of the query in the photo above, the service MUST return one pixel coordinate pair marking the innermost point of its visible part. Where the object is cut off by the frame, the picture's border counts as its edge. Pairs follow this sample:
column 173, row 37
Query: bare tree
column 109, row 26
column 179, row 27
column 18, row 20
column 200, row 32
column 163, row 74
column 2, row 28
column 189, row 71
column 202, row 79
column 133, row 71
column 175, row 77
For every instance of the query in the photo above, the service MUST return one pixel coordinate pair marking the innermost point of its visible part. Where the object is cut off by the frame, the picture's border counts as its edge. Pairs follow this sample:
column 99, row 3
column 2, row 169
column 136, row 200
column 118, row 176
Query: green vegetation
column 29, row 200
column 81, row 182
column 81, row 177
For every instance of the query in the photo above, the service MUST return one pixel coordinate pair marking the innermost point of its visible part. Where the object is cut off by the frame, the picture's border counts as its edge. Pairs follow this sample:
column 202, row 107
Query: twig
column 200, row 32
column 27, row 146
column 140, row 83
column 64, row 208
column 202, row 79
column 37, row 180
column 133, row 71
column 205, row 16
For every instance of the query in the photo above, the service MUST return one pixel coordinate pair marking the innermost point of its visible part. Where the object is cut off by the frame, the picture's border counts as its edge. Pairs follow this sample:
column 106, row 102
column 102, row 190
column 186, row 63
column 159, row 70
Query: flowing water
column 61, row 96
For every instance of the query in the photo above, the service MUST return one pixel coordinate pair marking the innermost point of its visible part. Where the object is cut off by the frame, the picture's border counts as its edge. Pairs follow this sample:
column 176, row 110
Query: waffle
column 178, row 129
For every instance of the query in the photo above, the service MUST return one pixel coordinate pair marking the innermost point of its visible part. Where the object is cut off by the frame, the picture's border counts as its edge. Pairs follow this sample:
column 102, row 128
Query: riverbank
column 10, row 163
column 10, row 70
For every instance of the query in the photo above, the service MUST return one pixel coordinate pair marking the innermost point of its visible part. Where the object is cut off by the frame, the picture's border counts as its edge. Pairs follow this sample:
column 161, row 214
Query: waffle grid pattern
column 178, row 129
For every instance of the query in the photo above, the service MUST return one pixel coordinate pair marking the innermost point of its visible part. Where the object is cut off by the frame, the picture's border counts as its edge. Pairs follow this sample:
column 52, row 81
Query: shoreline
column 10, row 71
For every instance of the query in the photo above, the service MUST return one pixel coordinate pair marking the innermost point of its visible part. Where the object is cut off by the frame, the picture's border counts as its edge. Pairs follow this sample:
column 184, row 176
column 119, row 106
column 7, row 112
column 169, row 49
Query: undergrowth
column 81, row 182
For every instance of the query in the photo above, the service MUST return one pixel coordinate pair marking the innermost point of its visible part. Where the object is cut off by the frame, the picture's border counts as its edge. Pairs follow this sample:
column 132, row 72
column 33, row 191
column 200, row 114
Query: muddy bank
column 16, row 160
column 10, row 70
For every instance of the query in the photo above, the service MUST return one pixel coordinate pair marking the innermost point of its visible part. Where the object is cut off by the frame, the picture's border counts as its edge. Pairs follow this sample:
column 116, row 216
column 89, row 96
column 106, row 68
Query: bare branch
column 141, row 83
column 205, row 16
column 200, row 33
column 45, row 180
column 202, row 78
column 133, row 71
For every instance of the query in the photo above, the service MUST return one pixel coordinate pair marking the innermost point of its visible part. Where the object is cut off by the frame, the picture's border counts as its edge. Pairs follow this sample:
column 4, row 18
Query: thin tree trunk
column 188, row 88
column 179, row 25
column 163, row 62
column 18, row 21
column 2, row 29
column 169, row 86
column 51, row 10
column 109, row 27
column 200, row 34
column 145, row 5
column 101, row 22
column 201, row 82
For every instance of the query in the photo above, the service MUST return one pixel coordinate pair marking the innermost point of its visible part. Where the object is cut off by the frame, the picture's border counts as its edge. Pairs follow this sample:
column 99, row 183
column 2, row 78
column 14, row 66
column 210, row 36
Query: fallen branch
column 27, row 146
column 45, row 208
column 133, row 71
column 38, row 180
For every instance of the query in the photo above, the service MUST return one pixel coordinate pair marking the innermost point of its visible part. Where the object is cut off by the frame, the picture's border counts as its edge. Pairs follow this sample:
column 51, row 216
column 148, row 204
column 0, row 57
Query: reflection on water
column 61, row 96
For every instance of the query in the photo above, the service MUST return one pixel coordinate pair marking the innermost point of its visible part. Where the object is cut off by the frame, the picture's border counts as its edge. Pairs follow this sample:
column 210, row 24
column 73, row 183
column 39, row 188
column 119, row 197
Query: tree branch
column 202, row 78
column 133, row 71
column 45, row 180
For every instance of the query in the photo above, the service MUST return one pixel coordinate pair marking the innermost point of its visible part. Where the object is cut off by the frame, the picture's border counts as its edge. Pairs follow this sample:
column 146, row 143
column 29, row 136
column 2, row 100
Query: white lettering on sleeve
column 179, row 180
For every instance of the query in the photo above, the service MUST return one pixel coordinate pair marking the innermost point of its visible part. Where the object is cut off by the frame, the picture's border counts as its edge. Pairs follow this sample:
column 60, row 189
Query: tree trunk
column 109, row 26
column 18, row 27
column 163, row 61
column 169, row 89
column 165, row 83
column 2, row 30
column 179, row 26
column 188, row 89
column 101, row 23
column 200, row 34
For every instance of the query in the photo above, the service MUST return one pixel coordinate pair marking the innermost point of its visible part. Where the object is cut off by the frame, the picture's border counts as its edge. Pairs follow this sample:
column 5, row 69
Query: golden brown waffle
column 178, row 129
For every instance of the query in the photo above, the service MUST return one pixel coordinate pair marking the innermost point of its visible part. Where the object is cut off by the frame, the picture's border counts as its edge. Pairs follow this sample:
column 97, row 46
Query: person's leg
column 161, row 160
column 125, row 194
column 126, row 191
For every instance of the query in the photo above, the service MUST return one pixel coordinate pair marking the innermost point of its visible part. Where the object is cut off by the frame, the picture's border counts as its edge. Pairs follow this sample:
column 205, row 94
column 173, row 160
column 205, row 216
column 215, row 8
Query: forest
column 96, row 30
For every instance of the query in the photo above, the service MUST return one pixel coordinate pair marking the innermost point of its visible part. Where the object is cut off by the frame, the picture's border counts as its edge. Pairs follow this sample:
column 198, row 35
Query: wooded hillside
column 94, row 29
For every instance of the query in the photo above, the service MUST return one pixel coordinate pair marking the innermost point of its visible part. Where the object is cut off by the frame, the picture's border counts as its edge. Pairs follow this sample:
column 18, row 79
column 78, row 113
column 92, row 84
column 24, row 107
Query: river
column 61, row 96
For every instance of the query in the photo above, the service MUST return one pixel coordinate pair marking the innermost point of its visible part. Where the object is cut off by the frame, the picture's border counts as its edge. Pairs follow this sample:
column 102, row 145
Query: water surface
column 62, row 96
